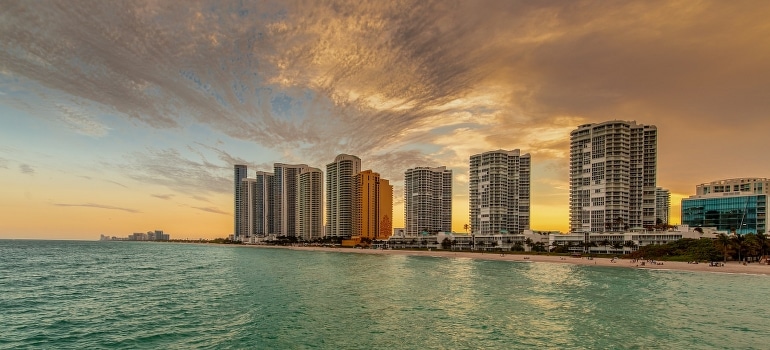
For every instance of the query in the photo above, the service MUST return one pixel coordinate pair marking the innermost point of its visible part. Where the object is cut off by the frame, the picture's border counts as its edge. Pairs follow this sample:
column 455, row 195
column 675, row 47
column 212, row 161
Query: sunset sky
column 128, row 116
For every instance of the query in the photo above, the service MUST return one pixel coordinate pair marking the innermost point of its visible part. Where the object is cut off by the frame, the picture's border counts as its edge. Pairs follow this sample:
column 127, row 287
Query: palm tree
column 630, row 244
column 528, row 242
column 762, row 239
column 724, row 241
column 739, row 242
column 617, row 245
column 605, row 243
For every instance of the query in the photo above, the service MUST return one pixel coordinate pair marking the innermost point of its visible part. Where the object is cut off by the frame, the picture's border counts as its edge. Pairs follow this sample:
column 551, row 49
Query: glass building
column 737, row 212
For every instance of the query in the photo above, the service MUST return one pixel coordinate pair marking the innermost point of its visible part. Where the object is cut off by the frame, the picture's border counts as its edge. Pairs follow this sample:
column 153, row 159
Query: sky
column 128, row 116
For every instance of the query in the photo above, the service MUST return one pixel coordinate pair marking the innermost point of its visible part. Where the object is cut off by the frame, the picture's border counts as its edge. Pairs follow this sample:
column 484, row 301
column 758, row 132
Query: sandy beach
column 729, row 267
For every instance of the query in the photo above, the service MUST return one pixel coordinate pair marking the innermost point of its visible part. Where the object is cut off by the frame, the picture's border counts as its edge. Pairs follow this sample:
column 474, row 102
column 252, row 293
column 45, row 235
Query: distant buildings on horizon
column 156, row 235
column 613, row 188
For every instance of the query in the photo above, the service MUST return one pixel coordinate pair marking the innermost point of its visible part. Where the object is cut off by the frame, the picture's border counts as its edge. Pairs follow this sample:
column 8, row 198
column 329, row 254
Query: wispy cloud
column 26, row 169
column 80, row 122
column 166, row 196
column 173, row 170
column 212, row 210
column 311, row 80
column 98, row 206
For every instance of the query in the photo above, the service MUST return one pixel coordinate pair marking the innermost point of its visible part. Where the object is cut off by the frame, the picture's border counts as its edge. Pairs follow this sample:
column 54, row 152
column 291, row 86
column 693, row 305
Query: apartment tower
column 373, row 206
column 285, row 194
column 340, row 178
column 310, row 204
column 662, row 205
column 240, row 209
column 427, row 200
column 500, row 192
column 612, row 176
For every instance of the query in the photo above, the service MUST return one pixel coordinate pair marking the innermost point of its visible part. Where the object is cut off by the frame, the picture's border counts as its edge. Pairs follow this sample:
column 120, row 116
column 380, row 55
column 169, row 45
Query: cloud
column 26, row 169
column 81, row 123
column 116, row 183
column 400, row 84
column 175, row 171
column 99, row 206
column 166, row 196
column 212, row 210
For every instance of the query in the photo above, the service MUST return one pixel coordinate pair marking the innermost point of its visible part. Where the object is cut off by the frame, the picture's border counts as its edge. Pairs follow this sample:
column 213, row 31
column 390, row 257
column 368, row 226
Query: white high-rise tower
column 428, row 200
column 612, row 176
column 340, row 181
column 310, row 204
column 500, row 192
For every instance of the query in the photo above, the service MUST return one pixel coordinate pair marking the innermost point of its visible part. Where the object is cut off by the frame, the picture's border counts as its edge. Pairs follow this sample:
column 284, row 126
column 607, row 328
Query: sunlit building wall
column 613, row 169
column 310, row 204
column 340, row 178
column 428, row 200
column 499, row 192
column 662, row 205
column 373, row 206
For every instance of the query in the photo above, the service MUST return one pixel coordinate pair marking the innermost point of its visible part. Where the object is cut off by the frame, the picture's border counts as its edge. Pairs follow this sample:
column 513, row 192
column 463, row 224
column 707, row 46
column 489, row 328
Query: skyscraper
column 428, row 200
column 500, row 192
column 240, row 208
column 285, row 194
column 373, row 206
column 662, row 205
column 310, row 204
column 339, row 195
column 261, row 195
column 613, row 168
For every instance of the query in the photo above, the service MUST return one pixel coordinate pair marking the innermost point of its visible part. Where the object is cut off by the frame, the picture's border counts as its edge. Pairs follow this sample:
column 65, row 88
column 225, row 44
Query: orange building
column 372, row 206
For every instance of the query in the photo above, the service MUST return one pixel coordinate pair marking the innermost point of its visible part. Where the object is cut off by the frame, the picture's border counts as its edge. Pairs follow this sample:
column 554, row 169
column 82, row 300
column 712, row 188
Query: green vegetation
column 749, row 247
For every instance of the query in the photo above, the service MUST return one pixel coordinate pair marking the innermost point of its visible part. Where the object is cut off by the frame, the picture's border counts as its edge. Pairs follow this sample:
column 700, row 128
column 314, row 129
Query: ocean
column 134, row 295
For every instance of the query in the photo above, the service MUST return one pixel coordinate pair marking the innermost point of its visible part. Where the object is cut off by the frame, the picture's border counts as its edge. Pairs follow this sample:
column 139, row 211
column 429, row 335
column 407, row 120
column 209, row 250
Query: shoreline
column 730, row 267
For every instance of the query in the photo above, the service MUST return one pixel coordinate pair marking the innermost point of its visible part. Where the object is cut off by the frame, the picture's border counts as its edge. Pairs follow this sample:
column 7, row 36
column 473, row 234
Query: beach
column 729, row 267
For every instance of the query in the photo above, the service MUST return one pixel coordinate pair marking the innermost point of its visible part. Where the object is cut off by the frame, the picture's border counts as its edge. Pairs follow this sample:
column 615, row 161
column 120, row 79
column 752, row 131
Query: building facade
column 613, row 171
column 240, row 210
column 262, row 198
column 340, row 178
column 285, row 194
column 499, row 192
column 662, row 206
column 427, row 200
column 372, row 206
column 310, row 204
column 732, row 205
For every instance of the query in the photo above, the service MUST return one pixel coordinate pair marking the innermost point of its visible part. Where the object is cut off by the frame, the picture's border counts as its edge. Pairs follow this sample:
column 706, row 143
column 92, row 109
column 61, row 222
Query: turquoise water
column 75, row 294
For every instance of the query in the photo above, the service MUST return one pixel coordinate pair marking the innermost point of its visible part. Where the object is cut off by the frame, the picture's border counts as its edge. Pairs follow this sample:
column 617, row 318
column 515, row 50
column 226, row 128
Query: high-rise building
column 285, row 194
column 310, row 204
column 372, row 206
column 340, row 177
column 732, row 205
column 662, row 205
column 500, row 192
column 240, row 209
column 261, row 201
column 428, row 200
column 612, row 176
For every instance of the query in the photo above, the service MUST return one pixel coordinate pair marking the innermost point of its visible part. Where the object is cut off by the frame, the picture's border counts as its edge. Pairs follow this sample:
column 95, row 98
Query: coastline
column 730, row 267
